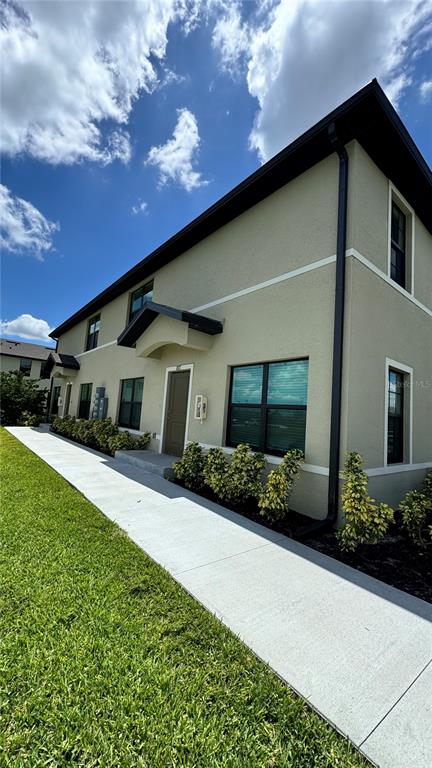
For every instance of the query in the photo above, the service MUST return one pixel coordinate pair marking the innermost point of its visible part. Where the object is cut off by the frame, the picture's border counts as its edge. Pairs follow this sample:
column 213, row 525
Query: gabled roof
column 62, row 361
column 150, row 311
column 368, row 116
column 24, row 349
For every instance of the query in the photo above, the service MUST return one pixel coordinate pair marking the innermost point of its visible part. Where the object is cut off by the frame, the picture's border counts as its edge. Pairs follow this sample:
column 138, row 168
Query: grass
column 106, row 661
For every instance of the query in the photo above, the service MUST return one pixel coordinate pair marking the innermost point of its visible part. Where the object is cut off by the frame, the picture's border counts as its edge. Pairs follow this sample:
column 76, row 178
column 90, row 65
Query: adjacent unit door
column 67, row 399
column 176, row 412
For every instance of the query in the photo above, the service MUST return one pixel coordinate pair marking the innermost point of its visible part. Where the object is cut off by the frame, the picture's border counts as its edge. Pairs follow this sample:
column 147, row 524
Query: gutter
column 339, row 313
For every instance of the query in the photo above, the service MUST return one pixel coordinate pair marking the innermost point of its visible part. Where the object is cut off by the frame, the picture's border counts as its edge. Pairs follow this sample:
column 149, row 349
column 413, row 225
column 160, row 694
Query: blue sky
column 145, row 114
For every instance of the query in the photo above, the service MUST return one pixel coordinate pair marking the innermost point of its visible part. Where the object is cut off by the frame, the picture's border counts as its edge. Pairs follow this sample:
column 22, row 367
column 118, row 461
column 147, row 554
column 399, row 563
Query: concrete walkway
column 359, row 651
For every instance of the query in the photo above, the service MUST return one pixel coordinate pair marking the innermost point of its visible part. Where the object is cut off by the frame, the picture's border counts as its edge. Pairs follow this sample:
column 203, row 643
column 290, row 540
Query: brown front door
column 176, row 412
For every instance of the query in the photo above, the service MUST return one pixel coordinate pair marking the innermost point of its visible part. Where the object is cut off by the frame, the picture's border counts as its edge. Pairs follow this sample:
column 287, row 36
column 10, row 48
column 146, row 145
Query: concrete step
column 149, row 461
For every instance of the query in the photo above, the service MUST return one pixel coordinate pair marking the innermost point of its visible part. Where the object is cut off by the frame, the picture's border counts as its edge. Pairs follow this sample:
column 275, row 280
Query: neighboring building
column 252, row 305
column 30, row 359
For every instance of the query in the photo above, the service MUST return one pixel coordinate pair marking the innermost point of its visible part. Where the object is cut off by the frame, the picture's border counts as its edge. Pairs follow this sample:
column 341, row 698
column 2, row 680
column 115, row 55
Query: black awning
column 150, row 311
column 62, row 361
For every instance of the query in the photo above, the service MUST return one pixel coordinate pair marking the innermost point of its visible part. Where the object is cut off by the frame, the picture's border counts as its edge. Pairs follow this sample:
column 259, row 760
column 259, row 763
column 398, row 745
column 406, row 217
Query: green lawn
column 106, row 661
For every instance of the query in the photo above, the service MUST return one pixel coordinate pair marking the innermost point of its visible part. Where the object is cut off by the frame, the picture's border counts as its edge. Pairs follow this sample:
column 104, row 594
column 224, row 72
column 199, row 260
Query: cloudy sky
column 122, row 121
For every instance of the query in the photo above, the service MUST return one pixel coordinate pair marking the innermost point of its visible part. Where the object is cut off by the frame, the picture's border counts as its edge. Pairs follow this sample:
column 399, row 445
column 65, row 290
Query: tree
column 19, row 394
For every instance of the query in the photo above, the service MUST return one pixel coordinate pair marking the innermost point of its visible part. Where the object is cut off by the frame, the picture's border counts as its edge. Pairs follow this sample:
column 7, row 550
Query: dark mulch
column 395, row 560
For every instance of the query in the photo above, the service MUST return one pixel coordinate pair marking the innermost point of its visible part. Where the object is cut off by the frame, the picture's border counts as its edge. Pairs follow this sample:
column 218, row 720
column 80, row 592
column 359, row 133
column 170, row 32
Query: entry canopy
column 62, row 365
column 150, row 311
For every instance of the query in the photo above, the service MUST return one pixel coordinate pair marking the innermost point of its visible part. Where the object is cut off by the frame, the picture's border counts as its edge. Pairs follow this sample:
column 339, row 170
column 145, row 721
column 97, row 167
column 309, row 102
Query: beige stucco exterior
column 12, row 363
column 269, row 277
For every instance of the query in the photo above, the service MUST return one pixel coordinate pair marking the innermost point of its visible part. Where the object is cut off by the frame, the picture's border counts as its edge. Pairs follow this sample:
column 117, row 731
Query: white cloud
column 305, row 57
column 175, row 159
column 68, row 66
column 140, row 207
column 231, row 38
column 426, row 90
column 22, row 227
column 26, row 327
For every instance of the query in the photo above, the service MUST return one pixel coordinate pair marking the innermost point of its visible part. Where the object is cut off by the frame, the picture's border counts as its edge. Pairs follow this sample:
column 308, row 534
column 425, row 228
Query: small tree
column 274, row 498
column 416, row 509
column 190, row 467
column 366, row 522
column 20, row 395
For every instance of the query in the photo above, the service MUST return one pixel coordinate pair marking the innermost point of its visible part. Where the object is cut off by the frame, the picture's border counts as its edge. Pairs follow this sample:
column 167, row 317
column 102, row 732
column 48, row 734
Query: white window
column 400, row 241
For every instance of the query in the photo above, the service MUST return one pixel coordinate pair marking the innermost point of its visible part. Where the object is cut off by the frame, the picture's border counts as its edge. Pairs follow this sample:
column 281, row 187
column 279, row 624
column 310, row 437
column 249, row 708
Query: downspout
column 336, row 396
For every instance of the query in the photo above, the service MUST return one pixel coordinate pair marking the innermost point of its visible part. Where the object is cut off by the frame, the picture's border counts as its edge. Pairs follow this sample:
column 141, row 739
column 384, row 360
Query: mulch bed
column 395, row 560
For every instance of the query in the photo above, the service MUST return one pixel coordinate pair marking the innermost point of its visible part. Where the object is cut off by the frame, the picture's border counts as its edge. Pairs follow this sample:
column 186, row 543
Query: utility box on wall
column 100, row 404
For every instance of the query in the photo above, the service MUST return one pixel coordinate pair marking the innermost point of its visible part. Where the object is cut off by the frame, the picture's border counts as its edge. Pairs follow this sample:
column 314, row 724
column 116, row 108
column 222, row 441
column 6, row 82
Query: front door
column 176, row 412
column 67, row 399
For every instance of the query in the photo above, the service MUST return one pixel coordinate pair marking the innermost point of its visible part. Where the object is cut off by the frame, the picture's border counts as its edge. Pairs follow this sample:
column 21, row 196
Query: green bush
column 416, row 509
column 190, row 468
column 273, row 500
column 215, row 468
column 366, row 522
column 243, row 475
column 238, row 480
column 100, row 434
column 20, row 395
column 28, row 419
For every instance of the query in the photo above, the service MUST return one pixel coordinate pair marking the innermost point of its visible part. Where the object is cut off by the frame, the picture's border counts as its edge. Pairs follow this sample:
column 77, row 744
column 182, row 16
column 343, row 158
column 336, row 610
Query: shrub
column 427, row 485
column 28, row 419
column 417, row 517
column 215, row 468
column 273, row 500
column 20, row 395
column 100, row 434
column 190, row 468
column 242, row 478
column 366, row 522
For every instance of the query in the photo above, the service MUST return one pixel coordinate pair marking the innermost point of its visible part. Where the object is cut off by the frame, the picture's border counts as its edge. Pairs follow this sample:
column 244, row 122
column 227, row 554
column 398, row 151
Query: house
column 29, row 359
column 295, row 312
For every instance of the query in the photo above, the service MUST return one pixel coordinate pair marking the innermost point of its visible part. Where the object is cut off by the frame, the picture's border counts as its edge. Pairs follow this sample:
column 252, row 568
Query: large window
column 395, row 418
column 25, row 366
column 93, row 332
column 267, row 406
column 138, row 297
column 130, row 403
column 398, row 246
column 85, row 401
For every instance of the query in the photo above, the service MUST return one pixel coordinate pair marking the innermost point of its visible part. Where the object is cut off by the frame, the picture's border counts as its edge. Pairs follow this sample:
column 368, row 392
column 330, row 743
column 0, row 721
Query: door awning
column 150, row 311
column 63, row 364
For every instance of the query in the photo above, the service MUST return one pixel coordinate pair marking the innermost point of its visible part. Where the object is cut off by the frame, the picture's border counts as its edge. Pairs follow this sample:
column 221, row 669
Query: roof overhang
column 59, row 365
column 184, row 328
column 367, row 116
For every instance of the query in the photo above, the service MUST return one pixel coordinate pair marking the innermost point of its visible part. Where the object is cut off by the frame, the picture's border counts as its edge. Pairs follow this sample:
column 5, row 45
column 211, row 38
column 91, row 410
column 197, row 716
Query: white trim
column 168, row 370
column 102, row 346
column 409, row 371
column 315, row 469
column 129, row 429
column 395, row 469
column 272, row 281
column 394, row 194
column 363, row 260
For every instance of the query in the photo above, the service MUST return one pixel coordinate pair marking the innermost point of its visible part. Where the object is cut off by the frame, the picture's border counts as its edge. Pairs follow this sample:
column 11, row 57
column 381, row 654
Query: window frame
column 80, row 400
column 407, row 440
column 92, row 337
column 27, row 370
column 395, row 198
column 132, row 401
column 132, row 294
column 263, row 406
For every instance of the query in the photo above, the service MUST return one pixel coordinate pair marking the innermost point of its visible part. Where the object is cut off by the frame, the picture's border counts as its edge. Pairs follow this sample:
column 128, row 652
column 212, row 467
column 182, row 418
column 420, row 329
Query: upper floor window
column 93, row 332
column 398, row 246
column 138, row 297
column 267, row 406
column 25, row 366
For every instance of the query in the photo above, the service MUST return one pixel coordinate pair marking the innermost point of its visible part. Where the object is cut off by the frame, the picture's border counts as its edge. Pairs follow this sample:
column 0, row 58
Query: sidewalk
column 358, row 650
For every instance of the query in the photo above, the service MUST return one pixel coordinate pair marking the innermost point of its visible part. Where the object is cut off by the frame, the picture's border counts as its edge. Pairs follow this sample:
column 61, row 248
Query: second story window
column 25, row 366
column 398, row 246
column 138, row 297
column 93, row 332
